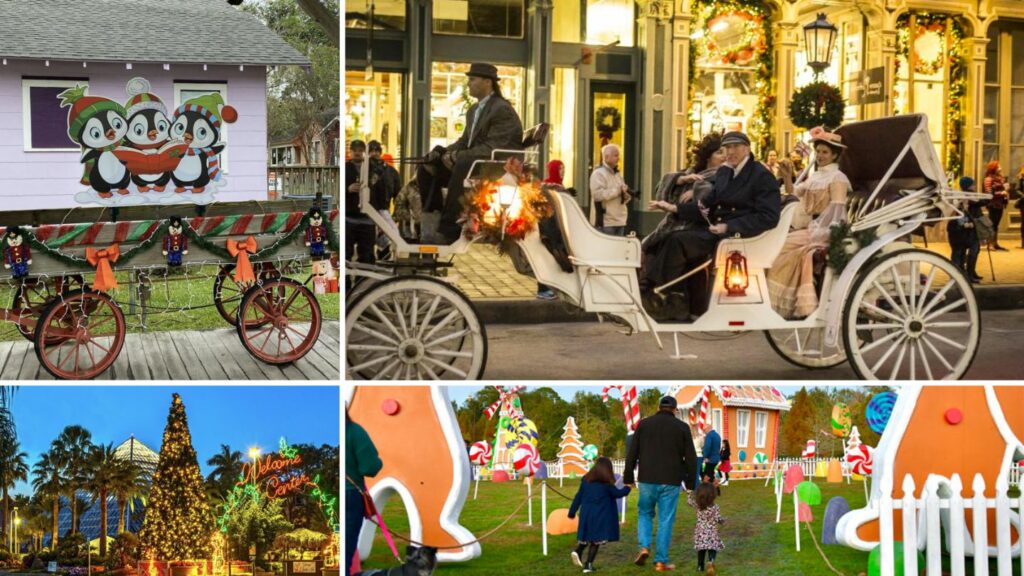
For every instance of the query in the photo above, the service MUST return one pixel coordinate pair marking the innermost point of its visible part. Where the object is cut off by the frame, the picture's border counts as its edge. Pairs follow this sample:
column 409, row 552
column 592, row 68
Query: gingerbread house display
column 747, row 416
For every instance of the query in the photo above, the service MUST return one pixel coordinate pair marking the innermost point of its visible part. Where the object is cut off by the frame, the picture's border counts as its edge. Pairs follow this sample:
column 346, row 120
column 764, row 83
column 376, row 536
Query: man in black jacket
column 664, row 448
column 744, row 202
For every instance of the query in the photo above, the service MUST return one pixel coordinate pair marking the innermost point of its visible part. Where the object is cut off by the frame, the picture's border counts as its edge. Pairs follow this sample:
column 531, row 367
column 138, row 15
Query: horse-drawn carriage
column 894, row 311
column 65, row 302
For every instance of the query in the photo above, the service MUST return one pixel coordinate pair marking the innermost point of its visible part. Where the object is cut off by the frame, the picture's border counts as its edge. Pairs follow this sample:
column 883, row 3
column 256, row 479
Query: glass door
column 611, row 122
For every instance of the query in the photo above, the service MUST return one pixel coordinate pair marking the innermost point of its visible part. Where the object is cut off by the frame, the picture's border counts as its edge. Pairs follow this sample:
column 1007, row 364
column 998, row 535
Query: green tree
column 130, row 484
column 797, row 425
column 49, row 483
column 102, row 472
column 227, row 467
column 13, row 467
column 178, row 521
column 256, row 522
column 71, row 448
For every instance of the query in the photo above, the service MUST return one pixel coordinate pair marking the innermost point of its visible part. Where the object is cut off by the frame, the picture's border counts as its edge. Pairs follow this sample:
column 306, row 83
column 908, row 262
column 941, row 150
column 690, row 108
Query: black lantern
column 819, row 40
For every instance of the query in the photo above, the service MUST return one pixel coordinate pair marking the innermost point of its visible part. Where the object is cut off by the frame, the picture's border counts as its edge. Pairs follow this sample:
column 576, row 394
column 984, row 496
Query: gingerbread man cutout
column 935, row 432
column 425, row 464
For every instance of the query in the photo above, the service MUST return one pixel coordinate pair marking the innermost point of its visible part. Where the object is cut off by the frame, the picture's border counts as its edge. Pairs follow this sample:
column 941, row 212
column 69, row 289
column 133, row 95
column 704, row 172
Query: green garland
column 49, row 248
column 817, row 104
column 838, row 257
column 762, row 122
column 957, row 62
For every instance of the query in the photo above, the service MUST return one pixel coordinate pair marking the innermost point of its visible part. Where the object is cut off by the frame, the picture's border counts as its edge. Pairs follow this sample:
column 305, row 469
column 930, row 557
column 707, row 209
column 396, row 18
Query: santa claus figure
column 17, row 255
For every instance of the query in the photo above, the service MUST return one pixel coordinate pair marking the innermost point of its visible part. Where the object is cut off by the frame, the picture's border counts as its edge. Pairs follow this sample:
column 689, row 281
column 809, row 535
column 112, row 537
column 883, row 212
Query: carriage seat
column 761, row 250
column 535, row 136
column 889, row 193
column 588, row 244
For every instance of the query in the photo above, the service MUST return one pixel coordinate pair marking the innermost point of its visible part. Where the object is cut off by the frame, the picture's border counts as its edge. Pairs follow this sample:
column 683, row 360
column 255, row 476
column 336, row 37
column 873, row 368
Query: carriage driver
column 491, row 124
column 744, row 202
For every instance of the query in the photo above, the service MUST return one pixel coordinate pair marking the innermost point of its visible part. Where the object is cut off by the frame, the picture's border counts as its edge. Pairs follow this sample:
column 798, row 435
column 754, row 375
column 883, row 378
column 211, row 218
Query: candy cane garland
column 630, row 404
column 705, row 401
column 503, row 398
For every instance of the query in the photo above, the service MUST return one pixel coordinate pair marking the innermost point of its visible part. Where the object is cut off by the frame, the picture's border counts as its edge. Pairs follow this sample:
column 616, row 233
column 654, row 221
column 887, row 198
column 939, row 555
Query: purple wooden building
column 184, row 48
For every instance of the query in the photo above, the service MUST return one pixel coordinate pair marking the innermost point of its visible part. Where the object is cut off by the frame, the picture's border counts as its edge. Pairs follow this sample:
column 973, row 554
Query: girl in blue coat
column 599, row 518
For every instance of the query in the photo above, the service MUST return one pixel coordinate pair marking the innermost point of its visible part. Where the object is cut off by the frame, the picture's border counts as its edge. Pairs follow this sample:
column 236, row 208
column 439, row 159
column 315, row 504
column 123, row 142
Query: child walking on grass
column 706, row 540
column 599, row 517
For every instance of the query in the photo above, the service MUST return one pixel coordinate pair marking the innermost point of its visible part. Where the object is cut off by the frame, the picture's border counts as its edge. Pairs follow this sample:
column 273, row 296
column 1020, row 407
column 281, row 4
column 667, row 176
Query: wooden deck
column 189, row 355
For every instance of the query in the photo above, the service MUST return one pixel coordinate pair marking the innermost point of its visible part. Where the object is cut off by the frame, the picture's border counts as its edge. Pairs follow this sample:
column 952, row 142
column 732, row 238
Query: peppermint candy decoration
column 480, row 453
column 861, row 458
column 590, row 452
column 526, row 460
column 760, row 458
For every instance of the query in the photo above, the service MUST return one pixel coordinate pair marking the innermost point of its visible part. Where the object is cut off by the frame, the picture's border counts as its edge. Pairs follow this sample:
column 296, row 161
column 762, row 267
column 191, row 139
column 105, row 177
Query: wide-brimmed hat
column 483, row 70
column 819, row 134
column 735, row 137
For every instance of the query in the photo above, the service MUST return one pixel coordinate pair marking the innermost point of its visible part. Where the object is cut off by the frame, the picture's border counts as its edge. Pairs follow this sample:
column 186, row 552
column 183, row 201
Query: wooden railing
column 285, row 182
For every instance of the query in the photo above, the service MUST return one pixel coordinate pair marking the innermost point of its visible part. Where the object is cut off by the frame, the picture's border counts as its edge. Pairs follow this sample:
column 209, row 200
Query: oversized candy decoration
column 590, row 452
column 521, row 431
column 760, row 458
column 526, row 460
column 841, row 420
column 879, row 409
column 480, row 453
column 861, row 459
column 630, row 404
column 811, row 450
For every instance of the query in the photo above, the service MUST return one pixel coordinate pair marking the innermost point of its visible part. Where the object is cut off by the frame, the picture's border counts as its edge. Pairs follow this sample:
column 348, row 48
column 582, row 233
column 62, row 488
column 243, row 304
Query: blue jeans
column 614, row 230
column 353, row 525
column 665, row 497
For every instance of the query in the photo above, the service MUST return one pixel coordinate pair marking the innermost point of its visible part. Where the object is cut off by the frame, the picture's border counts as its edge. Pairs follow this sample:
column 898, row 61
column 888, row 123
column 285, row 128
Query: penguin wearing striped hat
column 98, row 124
column 148, row 129
column 198, row 123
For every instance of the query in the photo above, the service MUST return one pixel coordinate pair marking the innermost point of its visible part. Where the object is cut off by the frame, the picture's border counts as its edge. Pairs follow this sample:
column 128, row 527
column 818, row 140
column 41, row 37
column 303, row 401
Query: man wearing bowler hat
column 744, row 202
column 491, row 124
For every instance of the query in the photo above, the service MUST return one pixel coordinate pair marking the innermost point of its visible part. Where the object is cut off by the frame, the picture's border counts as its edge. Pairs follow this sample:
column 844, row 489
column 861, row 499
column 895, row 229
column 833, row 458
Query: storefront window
column 387, row 14
column 373, row 109
column 923, row 89
column 501, row 18
column 562, row 139
column 610, row 20
column 1004, row 97
column 565, row 21
column 450, row 99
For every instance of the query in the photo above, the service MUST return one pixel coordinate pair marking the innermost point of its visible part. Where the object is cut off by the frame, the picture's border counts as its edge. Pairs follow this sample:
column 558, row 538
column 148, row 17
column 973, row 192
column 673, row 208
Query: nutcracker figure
column 175, row 243
column 316, row 234
column 17, row 255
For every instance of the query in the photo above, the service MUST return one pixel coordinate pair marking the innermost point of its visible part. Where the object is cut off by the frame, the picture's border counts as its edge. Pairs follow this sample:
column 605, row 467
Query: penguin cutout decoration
column 198, row 123
column 175, row 243
column 17, row 256
column 148, row 130
column 316, row 234
column 99, row 125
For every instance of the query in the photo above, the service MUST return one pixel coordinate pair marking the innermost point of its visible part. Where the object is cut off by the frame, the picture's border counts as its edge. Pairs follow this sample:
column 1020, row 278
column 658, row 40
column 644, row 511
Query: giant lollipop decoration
column 480, row 453
column 861, row 459
column 590, row 452
column 879, row 410
column 526, row 460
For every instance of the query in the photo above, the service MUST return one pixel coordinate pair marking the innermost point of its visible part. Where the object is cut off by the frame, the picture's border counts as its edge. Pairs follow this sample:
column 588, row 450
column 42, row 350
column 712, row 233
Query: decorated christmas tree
column 570, row 450
column 854, row 439
column 178, row 523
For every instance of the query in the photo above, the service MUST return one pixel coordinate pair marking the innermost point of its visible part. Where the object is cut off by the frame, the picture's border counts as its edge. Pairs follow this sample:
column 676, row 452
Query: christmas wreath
column 924, row 66
column 490, row 223
column 817, row 104
column 607, row 121
column 843, row 243
column 741, row 53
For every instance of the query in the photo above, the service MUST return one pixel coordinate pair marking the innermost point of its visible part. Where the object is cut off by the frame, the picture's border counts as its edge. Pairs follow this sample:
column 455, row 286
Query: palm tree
column 12, row 469
column 48, row 482
column 72, row 449
column 36, row 520
column 102, row 471
column 227, row 467
column 130, row 483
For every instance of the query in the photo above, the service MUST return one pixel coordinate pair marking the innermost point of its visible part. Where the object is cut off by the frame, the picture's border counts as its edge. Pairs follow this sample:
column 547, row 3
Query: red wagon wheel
column 80, row 335
column 35, row 294
column 280, row 321
column 227, row 294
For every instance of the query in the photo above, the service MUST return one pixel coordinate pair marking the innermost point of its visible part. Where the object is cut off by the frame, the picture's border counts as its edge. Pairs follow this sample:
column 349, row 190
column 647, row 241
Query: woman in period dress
column 823, row 198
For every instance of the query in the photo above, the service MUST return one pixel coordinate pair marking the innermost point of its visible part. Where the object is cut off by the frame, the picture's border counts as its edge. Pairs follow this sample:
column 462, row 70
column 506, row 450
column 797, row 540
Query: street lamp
column 11, row 544
column 819, row 40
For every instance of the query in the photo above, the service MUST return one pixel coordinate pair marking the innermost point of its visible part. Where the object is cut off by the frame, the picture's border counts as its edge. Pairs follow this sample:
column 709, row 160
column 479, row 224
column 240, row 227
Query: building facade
column 747, row 416
column 655, row 75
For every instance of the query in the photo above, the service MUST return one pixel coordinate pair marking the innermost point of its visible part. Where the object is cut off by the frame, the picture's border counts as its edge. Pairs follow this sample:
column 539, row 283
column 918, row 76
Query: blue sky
column 460, row 393
column 240, row 416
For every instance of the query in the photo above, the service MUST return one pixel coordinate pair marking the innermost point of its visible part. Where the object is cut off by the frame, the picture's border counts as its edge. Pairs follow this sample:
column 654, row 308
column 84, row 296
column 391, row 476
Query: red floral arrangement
column 490, row 223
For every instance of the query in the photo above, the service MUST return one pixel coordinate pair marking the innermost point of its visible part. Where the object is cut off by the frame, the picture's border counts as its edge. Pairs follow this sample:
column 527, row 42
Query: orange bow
column 241, row 250
column 101, row 259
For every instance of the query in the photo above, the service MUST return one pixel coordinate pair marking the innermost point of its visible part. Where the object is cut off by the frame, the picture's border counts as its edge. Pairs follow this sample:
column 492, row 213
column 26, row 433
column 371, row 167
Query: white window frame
column 222, row 88
column 26, row 108
column 716, row 420
column 760, row 429
column 742, row 428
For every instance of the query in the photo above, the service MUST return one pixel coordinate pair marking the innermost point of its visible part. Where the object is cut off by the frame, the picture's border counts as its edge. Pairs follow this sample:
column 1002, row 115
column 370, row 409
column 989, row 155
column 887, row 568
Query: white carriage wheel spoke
column 913, row 359
column 899, row 288
column 897, row 344
column 433, row 375
column 370, row 348
column 446, row 367
column 912, row 282
column 885, row 294
column 899, row 360
column 419, row 372
column 880, row 341
column 878, row 326
column 415, row 309
column 937, row 353
column 957, row 324
column 428, row 316
column 876, row 310
column 939, row 297
column 927, row 287
column 444, row 322
column 380, row 375
column 447, row 338
column 450, row 353
column 944, row 309
column 400, row 313
column 924, row 361
column 384, row 319
column 947, row 341
column 369, row 363
column 807, row 340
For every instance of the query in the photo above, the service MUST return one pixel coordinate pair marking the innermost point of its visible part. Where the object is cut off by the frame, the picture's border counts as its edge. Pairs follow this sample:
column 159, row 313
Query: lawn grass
column 754, row 543
column 177, row 302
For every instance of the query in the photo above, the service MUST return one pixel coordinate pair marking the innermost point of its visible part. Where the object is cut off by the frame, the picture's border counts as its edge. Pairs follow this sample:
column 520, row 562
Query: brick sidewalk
column 482, row 273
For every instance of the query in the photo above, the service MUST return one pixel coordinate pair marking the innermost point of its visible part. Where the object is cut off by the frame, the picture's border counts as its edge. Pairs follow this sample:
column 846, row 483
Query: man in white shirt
column 609, row 194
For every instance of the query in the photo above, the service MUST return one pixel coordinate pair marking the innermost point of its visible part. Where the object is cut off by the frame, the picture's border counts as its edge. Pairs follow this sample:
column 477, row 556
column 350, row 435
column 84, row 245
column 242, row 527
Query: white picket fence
column 924, row 528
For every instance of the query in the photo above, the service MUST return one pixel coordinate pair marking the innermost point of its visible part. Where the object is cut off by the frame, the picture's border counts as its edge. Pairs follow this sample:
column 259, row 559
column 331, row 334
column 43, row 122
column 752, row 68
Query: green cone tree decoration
column 178, row 523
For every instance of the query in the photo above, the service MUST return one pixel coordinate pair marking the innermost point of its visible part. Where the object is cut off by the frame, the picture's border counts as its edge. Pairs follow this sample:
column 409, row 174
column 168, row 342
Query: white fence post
column 956, row 527
column 778, row 497
column 933, row 530
column 885, row 535
column 979, row 515
column 529, row 505
column 544, row 516
column 909, row 511
column 1003, row 544
column 796, row 518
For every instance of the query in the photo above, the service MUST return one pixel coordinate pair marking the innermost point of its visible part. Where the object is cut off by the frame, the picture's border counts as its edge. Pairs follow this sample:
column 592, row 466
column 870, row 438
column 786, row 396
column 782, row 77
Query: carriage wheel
column 35, row 294
column 414, row 328
column 806, row 348
column 911, row 315
column 280, row 321
column 79, row 335
column 227, row 294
